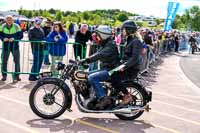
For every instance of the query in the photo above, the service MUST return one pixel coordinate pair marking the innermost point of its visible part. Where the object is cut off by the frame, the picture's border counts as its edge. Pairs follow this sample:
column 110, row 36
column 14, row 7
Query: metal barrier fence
column 26, row 56
column 31, row 53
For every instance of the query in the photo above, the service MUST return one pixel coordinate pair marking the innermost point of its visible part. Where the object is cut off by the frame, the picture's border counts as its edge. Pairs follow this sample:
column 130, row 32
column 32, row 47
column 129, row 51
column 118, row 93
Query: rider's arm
column 102, row 53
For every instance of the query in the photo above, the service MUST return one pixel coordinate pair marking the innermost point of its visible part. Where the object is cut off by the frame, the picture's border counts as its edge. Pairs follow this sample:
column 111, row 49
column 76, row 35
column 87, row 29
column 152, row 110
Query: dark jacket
column 132, row 54
column 148, row 38
column 35, row 34
column 11, row 32
column 46, row 30
column 192, row 40
column 107, row 54
column 57, row 48
column 83, row 38
column 71, row 29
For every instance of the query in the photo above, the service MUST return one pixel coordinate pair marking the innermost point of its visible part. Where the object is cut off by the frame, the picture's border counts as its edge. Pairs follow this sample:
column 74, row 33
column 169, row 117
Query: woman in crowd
column 58, row 48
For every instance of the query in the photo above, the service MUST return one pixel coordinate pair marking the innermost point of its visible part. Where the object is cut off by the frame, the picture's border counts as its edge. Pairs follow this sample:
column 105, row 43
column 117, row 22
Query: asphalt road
column 191, row 67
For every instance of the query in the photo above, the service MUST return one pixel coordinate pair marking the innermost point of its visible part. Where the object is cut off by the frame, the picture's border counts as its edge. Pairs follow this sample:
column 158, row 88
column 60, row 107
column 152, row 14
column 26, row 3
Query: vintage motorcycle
column 52, row 96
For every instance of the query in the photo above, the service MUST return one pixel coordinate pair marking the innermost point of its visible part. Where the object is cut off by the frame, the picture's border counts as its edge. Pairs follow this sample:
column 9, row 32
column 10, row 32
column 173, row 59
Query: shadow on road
column 69, row 126
column 29, row 86
column 4, row 85
column 53, row 125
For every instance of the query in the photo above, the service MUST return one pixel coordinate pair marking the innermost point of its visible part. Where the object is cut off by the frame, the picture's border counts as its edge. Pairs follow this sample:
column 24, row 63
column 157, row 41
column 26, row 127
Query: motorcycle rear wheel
column 137, row 92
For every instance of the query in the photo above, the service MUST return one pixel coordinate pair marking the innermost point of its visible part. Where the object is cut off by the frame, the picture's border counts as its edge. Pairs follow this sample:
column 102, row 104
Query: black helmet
column 129, row 26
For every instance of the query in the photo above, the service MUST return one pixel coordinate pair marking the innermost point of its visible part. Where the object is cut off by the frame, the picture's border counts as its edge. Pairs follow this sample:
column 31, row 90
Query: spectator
column 198, row 37
column 8, row 33
column 176, row 42
column 47, row 29
column 23, row 26
column 36, row 33
column 71, row 30
column 118, row 38
column 113, row 33
column 57, row 50
column 82, row 36
column 148, row 40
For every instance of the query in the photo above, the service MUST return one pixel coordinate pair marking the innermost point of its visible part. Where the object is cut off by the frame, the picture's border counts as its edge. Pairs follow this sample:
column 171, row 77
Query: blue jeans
column 46, row 55
column 95, row 79
column 37, row 63
column 46, row 59
column 93, row 66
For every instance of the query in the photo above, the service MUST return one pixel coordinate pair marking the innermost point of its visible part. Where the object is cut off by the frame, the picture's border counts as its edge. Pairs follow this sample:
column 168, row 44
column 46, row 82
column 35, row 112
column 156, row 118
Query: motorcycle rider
column 193, row 42
column 133, row 48
column 109, row 58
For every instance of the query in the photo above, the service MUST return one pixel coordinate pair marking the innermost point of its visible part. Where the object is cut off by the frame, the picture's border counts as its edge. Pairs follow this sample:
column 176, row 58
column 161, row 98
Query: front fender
column 60, row 83
column 56, row 81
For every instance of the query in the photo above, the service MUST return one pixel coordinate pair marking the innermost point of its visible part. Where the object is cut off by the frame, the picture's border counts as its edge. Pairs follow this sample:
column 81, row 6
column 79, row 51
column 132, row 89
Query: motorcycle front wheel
column 49, row 99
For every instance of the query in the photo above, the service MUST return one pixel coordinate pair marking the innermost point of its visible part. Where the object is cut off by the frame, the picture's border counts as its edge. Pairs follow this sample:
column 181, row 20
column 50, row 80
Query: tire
column 142, row 92
column 62, row 86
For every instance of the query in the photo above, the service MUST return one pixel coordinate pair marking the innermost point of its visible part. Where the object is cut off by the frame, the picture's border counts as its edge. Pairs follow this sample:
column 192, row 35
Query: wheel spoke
column 133, row 92
column 58, row 104
column 136, row 94
column 55, row 90
column 44, row 89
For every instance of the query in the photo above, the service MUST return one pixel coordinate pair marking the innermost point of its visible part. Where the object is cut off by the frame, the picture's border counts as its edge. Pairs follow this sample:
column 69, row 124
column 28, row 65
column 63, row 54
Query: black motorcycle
column 51, row 96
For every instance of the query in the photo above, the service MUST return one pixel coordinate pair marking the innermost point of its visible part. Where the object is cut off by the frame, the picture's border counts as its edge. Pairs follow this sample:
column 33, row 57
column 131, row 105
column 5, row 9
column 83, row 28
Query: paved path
column 191, row 67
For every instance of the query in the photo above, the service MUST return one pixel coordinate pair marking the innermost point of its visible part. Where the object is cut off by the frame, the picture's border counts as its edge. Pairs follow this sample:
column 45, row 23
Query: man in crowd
column 36, row 33
column 71, row 30
column 82, row 36
column 176, row 42
column 47, row 29
column 8, row 33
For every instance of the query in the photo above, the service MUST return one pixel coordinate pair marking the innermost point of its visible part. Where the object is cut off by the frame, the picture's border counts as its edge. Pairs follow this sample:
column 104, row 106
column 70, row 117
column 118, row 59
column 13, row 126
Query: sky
column 157, row 8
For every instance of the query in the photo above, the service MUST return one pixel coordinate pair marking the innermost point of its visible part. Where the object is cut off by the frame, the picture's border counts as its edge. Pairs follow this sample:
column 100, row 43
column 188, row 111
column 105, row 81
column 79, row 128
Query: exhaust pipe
column 128, row 110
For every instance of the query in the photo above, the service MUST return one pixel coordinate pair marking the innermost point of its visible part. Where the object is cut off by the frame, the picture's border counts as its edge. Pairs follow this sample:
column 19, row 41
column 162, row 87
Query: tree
column 52, row 11
column 46, row 14
column 140, row 24
column 86, row 15
column 58, row 15
column 189, row 20
column 35, row 13
column 158, row 21
column 30, row 14
column 122, row 17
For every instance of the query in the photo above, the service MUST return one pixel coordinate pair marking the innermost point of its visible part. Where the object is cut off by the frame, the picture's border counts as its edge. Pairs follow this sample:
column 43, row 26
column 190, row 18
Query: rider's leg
column 95, row 79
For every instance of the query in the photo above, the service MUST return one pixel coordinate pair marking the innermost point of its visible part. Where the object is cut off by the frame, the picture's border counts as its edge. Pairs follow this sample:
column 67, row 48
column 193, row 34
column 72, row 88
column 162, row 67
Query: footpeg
column 69, row 110
column 147, row 108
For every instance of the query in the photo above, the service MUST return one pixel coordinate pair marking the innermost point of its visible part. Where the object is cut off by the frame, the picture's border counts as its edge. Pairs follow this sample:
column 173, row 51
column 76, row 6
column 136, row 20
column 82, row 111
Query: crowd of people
column 154, row 42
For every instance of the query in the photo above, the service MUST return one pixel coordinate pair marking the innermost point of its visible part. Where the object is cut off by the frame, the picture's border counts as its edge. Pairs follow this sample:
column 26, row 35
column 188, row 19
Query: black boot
column 4, row 78
column 89, row 103
column 17, row 78
column 104, row 103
